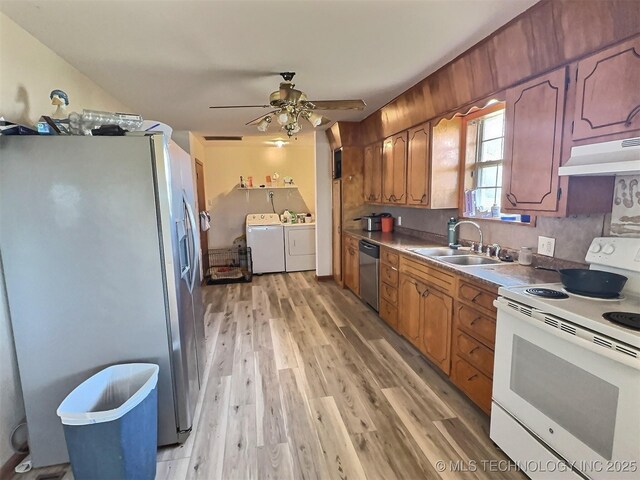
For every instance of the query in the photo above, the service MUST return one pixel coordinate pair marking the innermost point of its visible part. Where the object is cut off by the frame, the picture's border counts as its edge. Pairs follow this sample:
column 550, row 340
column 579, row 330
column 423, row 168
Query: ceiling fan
column 290, row 104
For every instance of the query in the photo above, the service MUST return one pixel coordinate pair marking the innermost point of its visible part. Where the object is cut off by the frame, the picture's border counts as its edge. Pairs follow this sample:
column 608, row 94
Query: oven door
column 580, row 398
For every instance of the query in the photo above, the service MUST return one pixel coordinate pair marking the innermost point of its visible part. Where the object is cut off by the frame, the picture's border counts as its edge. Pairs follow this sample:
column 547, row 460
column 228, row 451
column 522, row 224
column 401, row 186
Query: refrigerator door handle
column 193, row 262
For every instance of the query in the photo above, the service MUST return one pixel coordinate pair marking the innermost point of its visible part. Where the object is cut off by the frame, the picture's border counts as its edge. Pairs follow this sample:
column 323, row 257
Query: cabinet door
column 373, row 173
column 400, row 168
column 418, row 166
column 394, row 169
column 435, row 328
column 533, row 140
column 387, row 170
column 607, row 92
column 376, row 173
column 351, row 269
column 409, row 314
column 368, row 173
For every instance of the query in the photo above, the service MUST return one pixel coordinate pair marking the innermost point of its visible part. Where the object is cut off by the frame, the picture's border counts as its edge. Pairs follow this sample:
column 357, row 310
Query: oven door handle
column 581, row 342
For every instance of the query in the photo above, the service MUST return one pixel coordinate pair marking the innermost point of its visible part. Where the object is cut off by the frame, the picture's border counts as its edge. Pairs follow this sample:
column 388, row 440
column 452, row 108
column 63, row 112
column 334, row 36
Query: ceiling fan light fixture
column 314, row 119
column 264, row 124
column 283, row 117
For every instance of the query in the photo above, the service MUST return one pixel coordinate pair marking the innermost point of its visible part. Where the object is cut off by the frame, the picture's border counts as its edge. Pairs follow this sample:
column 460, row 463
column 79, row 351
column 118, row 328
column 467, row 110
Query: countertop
column 493, row 276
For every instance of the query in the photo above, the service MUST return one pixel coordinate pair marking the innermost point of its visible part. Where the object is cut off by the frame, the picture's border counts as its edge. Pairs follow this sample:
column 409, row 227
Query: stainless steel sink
column 468, row 260
column 439, row 252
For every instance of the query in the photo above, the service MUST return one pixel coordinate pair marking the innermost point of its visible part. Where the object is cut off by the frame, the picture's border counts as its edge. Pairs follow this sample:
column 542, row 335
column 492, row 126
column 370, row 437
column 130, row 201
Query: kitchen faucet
column 453, row 227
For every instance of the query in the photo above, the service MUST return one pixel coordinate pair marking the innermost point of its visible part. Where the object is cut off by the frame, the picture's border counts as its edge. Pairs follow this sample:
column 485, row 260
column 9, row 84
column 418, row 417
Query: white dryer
column 300, row 246
column 266, row 239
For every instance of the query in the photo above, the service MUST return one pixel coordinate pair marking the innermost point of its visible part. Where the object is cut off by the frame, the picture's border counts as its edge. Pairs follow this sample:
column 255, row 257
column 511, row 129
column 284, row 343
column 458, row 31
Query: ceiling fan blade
column 255, row 121
column 242, row 106
column 338, row 104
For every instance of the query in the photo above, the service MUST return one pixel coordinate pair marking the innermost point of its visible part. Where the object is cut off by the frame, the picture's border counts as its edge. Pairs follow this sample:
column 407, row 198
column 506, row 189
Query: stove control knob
column 608, row 249
column 595, row 248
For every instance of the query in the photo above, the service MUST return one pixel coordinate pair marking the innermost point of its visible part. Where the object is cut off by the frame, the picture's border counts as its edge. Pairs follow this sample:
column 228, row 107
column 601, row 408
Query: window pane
column 487, row 176
column 485, row 198
column 493, row 126
column 491, row 150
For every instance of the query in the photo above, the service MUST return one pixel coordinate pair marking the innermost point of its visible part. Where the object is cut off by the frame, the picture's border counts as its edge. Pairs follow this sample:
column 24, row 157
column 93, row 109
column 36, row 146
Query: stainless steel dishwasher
column 369, row 272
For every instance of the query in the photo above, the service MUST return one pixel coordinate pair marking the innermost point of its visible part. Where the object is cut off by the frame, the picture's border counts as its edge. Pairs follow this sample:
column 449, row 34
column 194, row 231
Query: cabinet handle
column 513, row 202
column 474, row 320
column 426, row 292
column 633, row 113
column 473, row 350
column 423, row 198
column 473, row 300
column 472, row 377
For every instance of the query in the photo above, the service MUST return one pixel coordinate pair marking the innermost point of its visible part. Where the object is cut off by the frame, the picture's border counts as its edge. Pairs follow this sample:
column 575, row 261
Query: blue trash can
column 110, row 424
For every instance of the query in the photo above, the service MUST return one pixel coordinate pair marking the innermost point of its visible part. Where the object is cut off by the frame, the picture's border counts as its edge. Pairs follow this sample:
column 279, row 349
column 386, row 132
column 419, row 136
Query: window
column 487, row 170
column 483, row 158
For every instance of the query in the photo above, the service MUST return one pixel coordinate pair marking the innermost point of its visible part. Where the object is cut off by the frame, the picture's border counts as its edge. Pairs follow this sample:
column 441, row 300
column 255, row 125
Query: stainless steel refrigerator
column 100, row 253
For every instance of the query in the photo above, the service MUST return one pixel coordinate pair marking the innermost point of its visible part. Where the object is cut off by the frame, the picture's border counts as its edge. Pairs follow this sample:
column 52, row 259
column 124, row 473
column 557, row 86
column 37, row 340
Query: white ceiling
column 170, row 59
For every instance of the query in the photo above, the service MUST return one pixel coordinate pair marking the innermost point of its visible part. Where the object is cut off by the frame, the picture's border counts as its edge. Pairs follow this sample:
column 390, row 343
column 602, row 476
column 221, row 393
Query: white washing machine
column 265, row 237
column 300, row 246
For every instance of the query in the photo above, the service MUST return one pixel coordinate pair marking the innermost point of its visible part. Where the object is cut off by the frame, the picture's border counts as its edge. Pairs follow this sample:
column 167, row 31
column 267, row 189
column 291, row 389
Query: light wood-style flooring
column 305, row 382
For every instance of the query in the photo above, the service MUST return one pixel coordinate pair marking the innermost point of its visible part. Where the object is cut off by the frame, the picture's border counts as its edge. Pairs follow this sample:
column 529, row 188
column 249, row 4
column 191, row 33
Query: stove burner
column 628, row 319
column 546, row 293
column 596, row 296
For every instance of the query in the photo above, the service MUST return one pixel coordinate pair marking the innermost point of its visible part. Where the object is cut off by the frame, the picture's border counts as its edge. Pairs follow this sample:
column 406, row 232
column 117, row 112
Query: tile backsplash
column 625, row 214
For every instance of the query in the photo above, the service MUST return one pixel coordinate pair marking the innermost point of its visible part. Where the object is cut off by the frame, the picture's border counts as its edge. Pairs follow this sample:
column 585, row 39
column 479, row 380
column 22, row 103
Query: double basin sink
column 461, row 258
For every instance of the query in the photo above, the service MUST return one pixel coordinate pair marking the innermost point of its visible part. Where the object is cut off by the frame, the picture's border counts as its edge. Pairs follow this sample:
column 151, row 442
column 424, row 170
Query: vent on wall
column 212, row 138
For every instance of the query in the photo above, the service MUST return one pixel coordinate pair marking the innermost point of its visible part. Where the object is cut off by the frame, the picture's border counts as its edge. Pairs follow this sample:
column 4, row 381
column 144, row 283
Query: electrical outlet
column 399, row 220
column 546, row 246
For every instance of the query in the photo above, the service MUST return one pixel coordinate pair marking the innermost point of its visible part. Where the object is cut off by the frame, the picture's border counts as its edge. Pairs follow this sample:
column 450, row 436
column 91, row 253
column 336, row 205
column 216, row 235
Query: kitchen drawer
column 389, row 275
column 389, row 293
column 389, row 313
column 476, row 324
column 437, row 278
column 474, row 352
column 477, row 297
column 472, row 382
column 390, row 258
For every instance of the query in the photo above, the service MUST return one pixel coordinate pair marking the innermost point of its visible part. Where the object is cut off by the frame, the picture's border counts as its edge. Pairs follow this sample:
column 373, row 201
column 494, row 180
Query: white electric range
column 566, row 383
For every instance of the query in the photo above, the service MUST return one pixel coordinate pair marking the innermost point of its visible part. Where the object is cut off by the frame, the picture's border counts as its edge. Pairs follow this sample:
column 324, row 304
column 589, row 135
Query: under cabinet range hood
column 620, row 157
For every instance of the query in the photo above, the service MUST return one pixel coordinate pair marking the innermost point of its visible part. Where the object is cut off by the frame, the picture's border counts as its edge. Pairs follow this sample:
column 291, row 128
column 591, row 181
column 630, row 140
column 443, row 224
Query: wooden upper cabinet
column 608, row 93
column 445, row 162
column 394, row 169
column 435, row 330
column 533, row 143
column 418, row 160
column 373, row 173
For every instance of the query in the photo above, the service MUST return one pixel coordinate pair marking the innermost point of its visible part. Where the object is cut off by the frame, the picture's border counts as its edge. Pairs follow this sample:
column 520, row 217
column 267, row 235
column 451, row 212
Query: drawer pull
column 472, row 377
column 393, row 268
column 426, row 292
column 476, row 297
column 474, row 320
column 473, row 350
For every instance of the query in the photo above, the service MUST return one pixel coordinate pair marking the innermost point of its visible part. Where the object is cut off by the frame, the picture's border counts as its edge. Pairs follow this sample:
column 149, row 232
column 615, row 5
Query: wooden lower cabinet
column 474, row 332
column 351, row 273
column 473, row 382
column 425, row 319
column 389, row 287
column 437, row 310
column 409, row 317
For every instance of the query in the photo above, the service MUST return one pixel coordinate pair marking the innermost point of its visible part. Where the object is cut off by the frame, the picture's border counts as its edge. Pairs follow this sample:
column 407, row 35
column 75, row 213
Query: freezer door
column 180, row 254
column 83, row 271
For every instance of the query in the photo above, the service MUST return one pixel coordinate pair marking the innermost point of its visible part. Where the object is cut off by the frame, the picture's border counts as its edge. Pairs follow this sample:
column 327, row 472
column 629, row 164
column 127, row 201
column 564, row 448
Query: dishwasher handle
column 370, row 249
